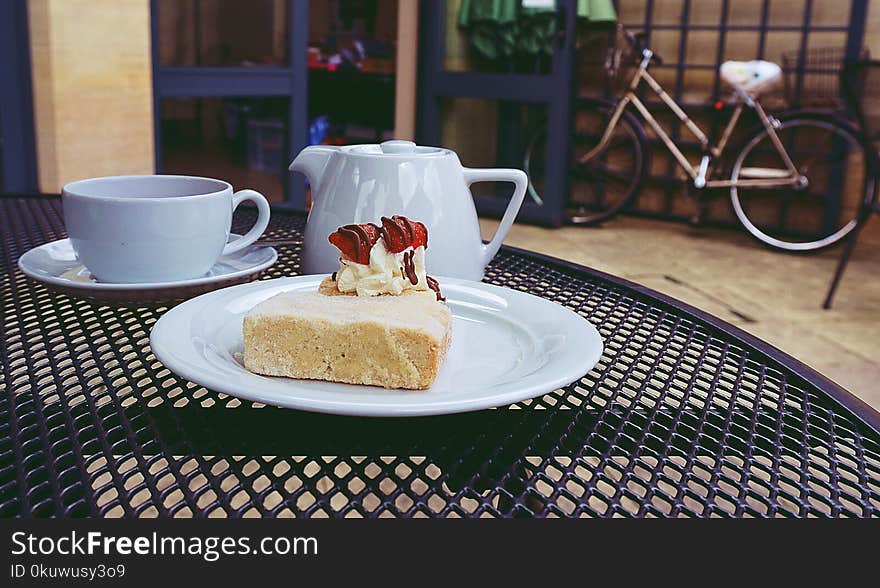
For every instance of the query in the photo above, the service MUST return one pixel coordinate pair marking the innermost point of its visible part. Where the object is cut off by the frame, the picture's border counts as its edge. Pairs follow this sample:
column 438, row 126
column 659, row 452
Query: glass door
column 18, row 173
column 489, row 81
column 230, row 92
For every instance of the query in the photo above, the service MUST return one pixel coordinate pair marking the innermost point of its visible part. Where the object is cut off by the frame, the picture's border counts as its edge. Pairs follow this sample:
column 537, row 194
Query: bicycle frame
column 756, row 177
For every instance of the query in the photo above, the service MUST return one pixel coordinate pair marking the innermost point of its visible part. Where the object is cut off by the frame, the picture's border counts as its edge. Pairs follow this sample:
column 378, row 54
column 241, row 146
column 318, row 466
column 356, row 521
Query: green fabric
column 502, row 28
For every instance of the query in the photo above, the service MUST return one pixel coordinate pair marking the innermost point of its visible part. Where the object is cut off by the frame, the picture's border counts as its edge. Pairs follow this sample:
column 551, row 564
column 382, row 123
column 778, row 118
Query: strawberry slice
column 420, row 235
column 395, row 235
column 355, row 241
column 407, row 226
column 400, row 232
column 372, row 231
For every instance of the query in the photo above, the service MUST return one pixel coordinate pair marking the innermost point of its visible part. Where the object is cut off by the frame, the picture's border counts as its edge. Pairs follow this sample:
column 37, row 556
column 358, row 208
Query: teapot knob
column 397, row 146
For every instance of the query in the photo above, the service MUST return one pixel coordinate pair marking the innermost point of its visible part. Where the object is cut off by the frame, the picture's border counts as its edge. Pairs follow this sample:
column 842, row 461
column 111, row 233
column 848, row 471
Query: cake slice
column 389, row 341
column 380, row 320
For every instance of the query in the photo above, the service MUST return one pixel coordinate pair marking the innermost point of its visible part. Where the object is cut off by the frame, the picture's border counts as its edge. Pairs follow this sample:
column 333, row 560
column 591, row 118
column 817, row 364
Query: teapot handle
column 521, row 181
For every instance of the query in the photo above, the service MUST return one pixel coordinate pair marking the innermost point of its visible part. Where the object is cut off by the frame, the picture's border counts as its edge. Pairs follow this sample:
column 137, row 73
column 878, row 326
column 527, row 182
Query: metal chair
column 860, row 82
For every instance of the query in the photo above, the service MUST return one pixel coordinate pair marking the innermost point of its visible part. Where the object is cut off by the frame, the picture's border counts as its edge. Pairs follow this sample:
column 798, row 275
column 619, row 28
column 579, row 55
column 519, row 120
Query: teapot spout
column 312, row 161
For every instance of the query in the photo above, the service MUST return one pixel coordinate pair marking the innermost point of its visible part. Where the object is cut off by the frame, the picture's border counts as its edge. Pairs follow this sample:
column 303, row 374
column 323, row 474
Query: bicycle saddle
column 754, row 77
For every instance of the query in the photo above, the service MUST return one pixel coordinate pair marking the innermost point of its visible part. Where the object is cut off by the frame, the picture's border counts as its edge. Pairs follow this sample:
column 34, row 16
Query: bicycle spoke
column 783, row 209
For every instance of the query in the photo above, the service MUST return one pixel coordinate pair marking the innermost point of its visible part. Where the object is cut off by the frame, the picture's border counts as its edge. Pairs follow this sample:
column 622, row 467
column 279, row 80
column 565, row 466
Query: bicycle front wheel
column 836, row 178
column 606, row 184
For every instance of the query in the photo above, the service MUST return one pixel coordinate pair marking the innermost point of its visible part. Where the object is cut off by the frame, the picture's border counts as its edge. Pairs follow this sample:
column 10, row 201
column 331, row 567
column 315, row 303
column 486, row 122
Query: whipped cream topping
column 385, row 274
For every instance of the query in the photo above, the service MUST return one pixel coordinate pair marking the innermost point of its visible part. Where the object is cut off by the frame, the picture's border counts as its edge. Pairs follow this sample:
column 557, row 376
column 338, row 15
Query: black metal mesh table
column 683, row 416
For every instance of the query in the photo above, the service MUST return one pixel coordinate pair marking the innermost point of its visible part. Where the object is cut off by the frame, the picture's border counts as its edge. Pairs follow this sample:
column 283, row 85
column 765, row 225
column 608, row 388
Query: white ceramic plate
column 56, row 265
column 507, row 346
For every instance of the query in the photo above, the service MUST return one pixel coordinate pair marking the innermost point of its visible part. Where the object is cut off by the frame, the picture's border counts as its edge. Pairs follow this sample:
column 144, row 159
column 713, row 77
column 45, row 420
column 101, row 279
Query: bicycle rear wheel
column 837, row 168
column 608, row 183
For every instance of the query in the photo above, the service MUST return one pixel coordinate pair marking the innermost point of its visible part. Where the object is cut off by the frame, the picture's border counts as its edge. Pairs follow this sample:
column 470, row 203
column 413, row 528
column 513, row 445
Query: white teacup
column 129, row 229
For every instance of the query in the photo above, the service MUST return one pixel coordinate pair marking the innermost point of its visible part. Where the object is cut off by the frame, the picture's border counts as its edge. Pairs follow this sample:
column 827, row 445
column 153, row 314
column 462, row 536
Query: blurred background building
column 232, row 90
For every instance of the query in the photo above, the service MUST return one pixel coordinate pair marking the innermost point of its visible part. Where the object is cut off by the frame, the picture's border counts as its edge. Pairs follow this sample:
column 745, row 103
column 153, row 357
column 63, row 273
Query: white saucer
column 56, row 265
column 507, row 346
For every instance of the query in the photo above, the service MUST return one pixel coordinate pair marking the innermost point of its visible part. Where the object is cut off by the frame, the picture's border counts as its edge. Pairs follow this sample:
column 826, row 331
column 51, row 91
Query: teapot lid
column 397, row 147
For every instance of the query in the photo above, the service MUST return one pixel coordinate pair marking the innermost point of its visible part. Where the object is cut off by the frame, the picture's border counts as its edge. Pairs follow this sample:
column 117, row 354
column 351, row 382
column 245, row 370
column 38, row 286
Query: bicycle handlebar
column 639, row 42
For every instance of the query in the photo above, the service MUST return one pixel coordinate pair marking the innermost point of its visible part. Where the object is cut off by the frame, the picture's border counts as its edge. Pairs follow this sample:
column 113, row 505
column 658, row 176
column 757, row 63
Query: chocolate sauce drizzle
column 333, row 277
column 403, row 228
column 409, row 267
column 407, row 225
column 392, row 224
column 434, row 285
column 363, row 240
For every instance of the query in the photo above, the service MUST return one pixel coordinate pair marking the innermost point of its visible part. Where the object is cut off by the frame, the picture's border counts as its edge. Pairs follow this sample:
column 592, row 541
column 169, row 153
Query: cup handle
column 521, row 181
column 258, row 228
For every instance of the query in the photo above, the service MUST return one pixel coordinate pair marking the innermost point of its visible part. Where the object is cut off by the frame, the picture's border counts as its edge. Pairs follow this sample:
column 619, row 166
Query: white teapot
column 362, row 183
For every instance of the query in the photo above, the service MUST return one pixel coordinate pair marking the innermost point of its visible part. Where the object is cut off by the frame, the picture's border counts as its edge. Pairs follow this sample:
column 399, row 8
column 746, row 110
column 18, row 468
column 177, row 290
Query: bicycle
column 798, row 163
